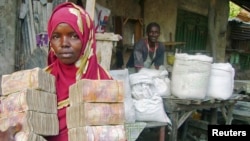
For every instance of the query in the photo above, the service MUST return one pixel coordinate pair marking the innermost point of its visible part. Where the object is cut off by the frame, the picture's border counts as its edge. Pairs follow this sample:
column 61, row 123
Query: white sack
column 122, row 75
column 151, row 110
column 140, row 86
column 128, row 102
column 190, row 76
column 142, row 90
column 221, row 82
column 149, row 82
column 161, row 82
column 137, row 78
column 161, row 87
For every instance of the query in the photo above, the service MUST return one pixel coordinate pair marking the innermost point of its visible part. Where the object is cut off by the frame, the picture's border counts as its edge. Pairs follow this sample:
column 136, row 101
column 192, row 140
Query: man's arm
column 138, row 55
column 160, row 56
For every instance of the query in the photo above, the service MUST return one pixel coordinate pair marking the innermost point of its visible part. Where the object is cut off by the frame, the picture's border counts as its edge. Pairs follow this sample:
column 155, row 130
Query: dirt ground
column 151, row 134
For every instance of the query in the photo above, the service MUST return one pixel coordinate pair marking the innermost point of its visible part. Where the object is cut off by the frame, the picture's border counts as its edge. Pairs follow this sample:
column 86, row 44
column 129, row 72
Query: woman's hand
column 9, row 134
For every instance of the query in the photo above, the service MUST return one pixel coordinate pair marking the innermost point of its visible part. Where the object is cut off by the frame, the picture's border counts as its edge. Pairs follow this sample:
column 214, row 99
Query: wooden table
column 179, row 110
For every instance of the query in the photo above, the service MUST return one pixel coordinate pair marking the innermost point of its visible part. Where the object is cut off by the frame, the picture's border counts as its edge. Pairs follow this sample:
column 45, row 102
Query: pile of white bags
column 148, row 86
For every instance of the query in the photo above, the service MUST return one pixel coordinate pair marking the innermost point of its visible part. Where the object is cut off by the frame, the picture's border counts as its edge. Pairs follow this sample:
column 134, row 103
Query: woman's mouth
column 66, row 55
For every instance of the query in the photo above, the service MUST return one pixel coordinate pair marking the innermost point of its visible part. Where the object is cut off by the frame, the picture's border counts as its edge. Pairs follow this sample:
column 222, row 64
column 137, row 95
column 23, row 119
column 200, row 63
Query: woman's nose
column 65, row 42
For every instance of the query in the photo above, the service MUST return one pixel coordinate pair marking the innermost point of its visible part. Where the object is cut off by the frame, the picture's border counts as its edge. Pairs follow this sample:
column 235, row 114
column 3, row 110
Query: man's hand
column 9, row 134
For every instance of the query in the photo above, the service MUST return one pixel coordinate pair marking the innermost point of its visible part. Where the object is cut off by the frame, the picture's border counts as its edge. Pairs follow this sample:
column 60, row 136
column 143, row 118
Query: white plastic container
column 190, row 76
column 221, row 81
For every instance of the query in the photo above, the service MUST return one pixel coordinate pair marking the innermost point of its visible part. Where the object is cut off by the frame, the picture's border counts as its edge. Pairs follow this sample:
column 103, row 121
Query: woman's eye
column 55, row 36
column 75, row 36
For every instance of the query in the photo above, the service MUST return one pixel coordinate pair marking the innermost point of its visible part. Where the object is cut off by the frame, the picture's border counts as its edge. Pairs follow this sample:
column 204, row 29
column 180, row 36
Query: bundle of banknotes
column 28, row 97
column 96, row 111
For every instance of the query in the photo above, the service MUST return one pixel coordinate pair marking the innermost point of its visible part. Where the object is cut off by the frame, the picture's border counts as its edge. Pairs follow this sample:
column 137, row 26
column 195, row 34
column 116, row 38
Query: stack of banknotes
column 96, row 111
column 28, row 97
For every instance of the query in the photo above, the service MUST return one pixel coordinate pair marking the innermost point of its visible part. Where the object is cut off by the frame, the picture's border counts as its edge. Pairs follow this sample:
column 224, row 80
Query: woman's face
column 66, row 43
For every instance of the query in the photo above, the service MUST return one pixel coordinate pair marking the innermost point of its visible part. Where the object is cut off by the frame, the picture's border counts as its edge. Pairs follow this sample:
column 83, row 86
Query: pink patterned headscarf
column 79, row 19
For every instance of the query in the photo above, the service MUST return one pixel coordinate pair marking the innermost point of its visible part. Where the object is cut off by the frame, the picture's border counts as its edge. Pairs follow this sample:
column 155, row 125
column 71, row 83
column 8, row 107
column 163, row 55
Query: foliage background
column 234, row 10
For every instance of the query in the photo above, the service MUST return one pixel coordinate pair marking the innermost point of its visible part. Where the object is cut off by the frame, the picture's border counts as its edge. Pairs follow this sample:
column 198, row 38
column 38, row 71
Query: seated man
column 148, row 52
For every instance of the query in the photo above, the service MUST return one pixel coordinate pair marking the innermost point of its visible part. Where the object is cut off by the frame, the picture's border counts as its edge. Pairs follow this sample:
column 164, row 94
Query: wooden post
column 162, row 133
column 214, row 116
column 90, row 8
column 211, row 27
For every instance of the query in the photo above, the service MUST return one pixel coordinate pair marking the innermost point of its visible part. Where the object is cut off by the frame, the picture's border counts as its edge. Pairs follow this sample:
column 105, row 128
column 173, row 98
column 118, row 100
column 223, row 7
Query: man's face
column 66, row 44
column 153, row 34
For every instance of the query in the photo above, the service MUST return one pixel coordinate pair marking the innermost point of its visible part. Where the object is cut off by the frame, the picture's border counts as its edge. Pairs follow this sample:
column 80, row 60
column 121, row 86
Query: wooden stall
column 179, row 110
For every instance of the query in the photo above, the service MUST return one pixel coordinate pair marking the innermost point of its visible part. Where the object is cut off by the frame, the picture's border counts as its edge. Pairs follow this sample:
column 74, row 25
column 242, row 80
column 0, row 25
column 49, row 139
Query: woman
column 149, row 52
column 72, row 55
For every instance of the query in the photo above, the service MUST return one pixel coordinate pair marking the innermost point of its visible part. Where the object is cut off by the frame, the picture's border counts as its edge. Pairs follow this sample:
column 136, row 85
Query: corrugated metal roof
column 243, row 3
column 240, row 32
